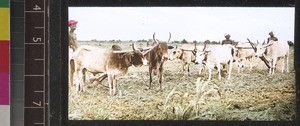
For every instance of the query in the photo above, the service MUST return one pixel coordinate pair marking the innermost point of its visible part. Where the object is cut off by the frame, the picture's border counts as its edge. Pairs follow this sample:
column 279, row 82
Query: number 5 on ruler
column 34, row 39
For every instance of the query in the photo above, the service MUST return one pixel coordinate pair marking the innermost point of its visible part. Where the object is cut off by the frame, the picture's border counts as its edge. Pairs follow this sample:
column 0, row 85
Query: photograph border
column 58, row 65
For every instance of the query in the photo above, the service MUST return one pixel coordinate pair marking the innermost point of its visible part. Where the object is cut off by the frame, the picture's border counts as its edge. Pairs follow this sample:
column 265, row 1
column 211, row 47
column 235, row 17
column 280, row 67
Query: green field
column 247, row 96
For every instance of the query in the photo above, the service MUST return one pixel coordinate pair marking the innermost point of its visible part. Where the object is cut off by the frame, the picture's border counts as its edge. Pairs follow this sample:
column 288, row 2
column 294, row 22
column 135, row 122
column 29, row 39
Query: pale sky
column 190, row 23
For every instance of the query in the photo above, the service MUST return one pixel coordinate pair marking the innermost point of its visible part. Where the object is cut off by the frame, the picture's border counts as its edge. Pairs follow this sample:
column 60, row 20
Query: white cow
column 216, row 56
column 112, row 63
column 273, row 51
column 244, row 52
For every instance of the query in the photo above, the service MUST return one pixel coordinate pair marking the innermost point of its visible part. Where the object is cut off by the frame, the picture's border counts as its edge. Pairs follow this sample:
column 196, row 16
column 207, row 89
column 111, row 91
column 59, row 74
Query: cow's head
column 176, row 53
column 137, row 57
column 261, row 49
column 201, row 53
column 201, row 56
column 130, row 57
column 162, row 48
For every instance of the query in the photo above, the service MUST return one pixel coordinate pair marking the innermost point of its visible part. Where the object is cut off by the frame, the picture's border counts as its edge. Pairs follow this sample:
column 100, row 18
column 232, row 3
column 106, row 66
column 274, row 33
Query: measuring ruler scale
column 36, row 63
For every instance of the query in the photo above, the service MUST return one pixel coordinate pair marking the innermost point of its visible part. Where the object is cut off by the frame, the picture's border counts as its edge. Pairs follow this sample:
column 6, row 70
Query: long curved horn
column 149, row 50
column 195, row 44
column 154, row 38
column 264, row 42
column 169, row 37
column 204, row 46
column 252, row 45
column 133, row 46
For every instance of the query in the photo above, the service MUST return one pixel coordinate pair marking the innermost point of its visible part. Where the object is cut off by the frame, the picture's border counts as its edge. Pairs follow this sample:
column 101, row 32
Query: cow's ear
column 170, row 47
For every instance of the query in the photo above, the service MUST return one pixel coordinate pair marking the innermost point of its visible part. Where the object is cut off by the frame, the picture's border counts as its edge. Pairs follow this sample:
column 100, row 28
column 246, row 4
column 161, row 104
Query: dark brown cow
column 156, row 58
column 110, row 63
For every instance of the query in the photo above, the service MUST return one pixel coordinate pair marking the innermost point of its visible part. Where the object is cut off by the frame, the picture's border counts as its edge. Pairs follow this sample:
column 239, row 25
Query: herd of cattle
column 114, row 62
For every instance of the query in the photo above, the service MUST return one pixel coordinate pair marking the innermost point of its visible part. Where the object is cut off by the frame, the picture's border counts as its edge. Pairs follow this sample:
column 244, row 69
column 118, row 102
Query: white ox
column 111, row 63
column 186, row 54
column 216, row 56
column 273, row 51
column 244, row 51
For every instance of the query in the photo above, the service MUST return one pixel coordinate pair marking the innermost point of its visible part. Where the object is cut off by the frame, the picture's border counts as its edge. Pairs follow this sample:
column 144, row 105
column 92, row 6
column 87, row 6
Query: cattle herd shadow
column 248, row 95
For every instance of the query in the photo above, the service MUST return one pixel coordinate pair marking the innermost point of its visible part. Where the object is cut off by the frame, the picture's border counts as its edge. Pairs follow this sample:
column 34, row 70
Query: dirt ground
column 247, row 96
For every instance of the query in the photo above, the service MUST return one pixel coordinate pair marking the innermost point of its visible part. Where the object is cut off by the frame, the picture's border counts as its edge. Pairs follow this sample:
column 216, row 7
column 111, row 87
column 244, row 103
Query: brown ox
column 111, row 63
column 156, row 58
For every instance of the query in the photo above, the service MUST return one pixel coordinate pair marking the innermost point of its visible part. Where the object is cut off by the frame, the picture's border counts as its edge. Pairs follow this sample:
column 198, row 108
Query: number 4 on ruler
column 37, row 8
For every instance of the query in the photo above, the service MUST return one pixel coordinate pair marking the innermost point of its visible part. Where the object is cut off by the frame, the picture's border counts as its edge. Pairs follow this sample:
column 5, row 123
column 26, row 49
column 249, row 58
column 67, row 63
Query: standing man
column 72, row 35
column 72, row 47
column 227, row 40
column 272, row 37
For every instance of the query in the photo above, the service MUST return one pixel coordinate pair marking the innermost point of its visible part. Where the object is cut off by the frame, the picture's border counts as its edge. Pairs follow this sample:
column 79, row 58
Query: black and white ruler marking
column 36, row 63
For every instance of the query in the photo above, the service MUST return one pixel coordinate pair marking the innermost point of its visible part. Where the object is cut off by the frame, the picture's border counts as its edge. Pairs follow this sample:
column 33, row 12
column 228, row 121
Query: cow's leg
column 283, row 65
column 83, row 79
column 200, row 68
column 114, row 84
column 239, row 67
column 250, row 64
column 150, row 75
column 78, row 79
column 274, row 65
column 71, row 72
column 160, row 70
column 183, row 64
column 188, row 69
column 219, row 70
column 230, row 68
column 80, row 83
column 271, row 65
column 209, row 73
column 110, row 82
column 240, row 64
column 287, row 63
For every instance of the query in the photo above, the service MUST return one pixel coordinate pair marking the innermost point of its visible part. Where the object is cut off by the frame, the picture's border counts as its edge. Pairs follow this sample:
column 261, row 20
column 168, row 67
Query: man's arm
column 72, row 43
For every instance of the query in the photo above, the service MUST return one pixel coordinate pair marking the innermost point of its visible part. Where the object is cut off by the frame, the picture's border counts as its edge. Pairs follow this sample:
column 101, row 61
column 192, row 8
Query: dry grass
column 247, row 96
